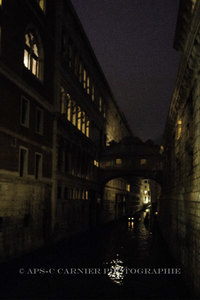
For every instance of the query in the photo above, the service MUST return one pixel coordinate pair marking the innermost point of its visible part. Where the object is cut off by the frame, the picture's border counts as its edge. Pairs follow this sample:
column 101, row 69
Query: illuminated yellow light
column 93, row 92
column 145, row 192
column 100, row 104
column 26, row 59
column 179, row 129
column 0, row 2
column 143, row 161
column 118, row 161
column 86, row 195
column 83, row 123
column 88, row 128
column 79, row 119
column 88, row 85
column 84, row 78
column 42, row 4
column 128, row 187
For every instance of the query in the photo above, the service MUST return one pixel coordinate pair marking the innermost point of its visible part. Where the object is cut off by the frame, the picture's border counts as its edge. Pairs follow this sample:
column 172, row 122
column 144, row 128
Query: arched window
column 33, row 54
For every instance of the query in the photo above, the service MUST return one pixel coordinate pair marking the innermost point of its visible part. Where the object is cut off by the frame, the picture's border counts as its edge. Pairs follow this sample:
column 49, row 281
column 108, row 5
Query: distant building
column 57, row 114
column 180, row 205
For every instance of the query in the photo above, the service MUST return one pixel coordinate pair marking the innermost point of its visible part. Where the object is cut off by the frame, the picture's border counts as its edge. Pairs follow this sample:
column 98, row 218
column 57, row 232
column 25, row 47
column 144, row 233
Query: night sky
column 133, row 42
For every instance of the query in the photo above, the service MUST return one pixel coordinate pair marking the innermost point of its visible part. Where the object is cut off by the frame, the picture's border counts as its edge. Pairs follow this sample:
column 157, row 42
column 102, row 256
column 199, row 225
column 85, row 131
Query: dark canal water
column 107, row 264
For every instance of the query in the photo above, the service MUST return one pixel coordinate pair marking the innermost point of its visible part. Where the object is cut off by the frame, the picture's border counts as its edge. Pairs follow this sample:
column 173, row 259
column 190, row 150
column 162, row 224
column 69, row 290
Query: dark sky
column 133, row 42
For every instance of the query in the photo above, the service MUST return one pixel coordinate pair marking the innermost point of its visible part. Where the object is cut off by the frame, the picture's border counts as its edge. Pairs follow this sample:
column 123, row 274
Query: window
column 79, row 118
column 24, row 112
column 193, row 4
column 96, row 163
column 143, row 161
column 128, row 187
column 74, row 114
column 178, row 129
column 86, row 195
column 39, row 121
column 42, row 4
column 32, row 54
column 100, row 104
column 118, row 161
column 84, row 78
column 0, row 2
column 83, row 123
column 23, row 161
column 92, row 92
column 38, row 165
column 88, row 85
column 69, row 108
column 62, row 101
column 87, row 128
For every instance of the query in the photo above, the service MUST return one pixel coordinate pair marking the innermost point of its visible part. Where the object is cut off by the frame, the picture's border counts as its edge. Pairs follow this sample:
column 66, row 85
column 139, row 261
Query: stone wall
column 180, row 202
column 24, row 216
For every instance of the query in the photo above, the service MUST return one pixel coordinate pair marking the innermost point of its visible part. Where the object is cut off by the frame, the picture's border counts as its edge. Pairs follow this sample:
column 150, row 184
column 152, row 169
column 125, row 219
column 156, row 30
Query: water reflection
column 130, row 226
column 115, row 270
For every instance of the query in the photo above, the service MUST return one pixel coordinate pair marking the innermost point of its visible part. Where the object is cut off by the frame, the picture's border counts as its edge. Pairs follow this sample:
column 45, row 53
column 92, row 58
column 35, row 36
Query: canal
column 125, row 260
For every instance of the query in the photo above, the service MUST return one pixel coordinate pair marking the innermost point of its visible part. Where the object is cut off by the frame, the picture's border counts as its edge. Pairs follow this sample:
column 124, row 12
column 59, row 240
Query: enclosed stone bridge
column 132, row 159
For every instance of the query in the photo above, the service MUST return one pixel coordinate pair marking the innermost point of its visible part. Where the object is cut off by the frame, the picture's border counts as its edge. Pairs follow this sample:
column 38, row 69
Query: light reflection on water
column 115, row 270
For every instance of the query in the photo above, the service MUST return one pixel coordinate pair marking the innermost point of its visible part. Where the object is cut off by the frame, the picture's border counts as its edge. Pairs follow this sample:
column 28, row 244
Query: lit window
column 24, row 112
column 193, row 4
column 128, row 187
column 92, row 92
column 161, row 149
column 104, row 111
column 32, row 59
column 74, row 115
column 39, row 121
column 23, row 161
column 84, row 78
column 86, row 195
column 83, row 122
column 178, row 129
column 62, row 101
column 79, row 118
column 96, row 163
column 38, row 165
column 118, row 161
column 41, row 4
column 69, row 108
column 88, row 85
column 100, row 104
column 143, row 161
column 87, row 128
column 0, row 2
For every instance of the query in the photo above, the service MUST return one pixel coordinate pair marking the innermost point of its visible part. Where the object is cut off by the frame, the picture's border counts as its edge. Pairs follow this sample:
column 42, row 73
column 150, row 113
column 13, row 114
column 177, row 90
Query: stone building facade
column 180, row 203
column 57, row 114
